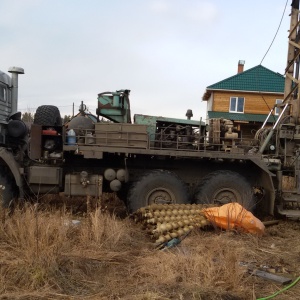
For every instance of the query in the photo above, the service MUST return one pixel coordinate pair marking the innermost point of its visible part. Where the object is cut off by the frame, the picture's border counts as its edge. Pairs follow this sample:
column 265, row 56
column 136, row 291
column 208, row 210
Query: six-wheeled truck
column 153, row 159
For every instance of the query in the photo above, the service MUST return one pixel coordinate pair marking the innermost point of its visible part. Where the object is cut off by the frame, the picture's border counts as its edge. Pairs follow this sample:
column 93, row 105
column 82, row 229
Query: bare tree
column 27, row 117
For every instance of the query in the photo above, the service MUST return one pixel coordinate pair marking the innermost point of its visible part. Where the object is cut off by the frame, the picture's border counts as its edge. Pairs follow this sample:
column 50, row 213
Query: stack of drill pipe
column 167, row 221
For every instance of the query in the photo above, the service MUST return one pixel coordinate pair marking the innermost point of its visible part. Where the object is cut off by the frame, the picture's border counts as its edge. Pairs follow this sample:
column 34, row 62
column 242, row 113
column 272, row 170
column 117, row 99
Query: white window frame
column 277, row 111
column 236, row 105
column 3, row 97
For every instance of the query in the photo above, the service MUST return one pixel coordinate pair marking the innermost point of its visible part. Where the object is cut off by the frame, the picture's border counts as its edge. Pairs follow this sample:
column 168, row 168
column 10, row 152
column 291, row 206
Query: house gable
column 257, row 79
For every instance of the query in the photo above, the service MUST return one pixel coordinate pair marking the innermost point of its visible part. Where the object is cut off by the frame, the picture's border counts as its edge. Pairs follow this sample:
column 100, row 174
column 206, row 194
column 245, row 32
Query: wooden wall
column 254, row 103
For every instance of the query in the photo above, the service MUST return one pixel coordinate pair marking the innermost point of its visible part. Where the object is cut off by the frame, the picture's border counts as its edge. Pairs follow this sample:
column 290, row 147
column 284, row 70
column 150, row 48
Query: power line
column 256, row 77
column 33, row 109
column 275, row 33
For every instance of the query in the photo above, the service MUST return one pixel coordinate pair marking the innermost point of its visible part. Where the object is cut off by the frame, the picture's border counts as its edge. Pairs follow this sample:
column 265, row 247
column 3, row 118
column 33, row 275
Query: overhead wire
column 33, row 109
column 276, row 33
column 298, row 278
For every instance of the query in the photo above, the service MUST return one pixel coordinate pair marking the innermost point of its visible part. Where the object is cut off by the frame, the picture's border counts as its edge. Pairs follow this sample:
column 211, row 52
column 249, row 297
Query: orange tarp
column 234, row 216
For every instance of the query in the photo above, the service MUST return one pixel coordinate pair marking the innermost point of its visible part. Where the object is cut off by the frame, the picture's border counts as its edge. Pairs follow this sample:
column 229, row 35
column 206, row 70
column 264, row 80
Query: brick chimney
column 241, row 66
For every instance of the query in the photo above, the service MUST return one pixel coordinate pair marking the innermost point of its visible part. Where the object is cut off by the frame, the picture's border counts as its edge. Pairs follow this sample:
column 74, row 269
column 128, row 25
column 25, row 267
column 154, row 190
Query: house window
column 2, row 93
column 277, row 109
column 237, row 104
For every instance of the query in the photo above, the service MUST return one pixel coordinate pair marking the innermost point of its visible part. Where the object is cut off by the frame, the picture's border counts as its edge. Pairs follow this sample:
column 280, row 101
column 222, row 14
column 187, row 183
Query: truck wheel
column 157, row 187
column 47, row 115
column 222, row 187
column 7, row 192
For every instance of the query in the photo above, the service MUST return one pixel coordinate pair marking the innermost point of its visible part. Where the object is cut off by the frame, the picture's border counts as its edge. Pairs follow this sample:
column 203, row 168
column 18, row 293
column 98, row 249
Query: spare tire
column 47, row 115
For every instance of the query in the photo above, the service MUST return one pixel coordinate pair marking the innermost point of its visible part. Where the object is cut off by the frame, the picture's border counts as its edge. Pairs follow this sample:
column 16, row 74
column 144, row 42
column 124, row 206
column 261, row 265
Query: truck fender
column 266, row 179
column 13, row 166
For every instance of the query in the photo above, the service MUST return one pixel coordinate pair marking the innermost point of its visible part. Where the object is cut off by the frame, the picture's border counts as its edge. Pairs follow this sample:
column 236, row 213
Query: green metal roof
column 256, row 79
column 241, row 117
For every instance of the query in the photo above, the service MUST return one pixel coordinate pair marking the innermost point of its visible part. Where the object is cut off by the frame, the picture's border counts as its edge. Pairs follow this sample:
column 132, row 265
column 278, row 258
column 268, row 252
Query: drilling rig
column 153, row 159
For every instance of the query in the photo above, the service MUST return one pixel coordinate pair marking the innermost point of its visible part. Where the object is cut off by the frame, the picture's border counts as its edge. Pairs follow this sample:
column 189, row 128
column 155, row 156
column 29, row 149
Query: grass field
column 43, row 255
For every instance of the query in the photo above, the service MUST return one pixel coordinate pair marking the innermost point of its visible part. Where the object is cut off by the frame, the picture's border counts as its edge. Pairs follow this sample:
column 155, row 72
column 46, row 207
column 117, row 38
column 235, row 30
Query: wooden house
column 246, row 98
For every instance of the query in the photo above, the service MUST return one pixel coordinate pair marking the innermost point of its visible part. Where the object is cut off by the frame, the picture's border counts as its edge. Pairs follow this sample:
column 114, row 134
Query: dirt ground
column 111, row 257
column 277, row 252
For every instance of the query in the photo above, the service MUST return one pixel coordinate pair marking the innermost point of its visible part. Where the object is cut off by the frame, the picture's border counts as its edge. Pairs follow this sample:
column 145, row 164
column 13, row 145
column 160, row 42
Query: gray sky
column 165, row 51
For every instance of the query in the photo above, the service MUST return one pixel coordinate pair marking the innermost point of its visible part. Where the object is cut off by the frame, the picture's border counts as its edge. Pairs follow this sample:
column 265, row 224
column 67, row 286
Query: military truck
column 153, row 159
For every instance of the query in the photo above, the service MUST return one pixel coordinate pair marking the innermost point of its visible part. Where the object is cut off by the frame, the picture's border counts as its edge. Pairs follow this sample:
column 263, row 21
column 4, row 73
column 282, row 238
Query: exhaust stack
column 15, row 71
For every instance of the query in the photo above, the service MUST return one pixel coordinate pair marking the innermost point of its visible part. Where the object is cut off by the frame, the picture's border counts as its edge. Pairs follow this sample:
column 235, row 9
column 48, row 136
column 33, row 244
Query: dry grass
column 44, row 256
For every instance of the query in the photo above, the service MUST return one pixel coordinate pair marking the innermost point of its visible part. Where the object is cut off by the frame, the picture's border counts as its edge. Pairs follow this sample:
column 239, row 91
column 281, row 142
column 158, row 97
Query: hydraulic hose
column 284, row 289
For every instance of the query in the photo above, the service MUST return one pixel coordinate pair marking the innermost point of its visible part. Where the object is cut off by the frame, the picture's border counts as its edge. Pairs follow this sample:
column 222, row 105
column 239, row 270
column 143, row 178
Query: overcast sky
column 165, row 51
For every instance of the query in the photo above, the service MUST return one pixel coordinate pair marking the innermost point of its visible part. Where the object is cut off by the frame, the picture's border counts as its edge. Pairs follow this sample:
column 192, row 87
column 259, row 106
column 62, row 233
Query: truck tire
column 157, row 186
column 47, row 115
column 8, row 194
column 222, row 187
